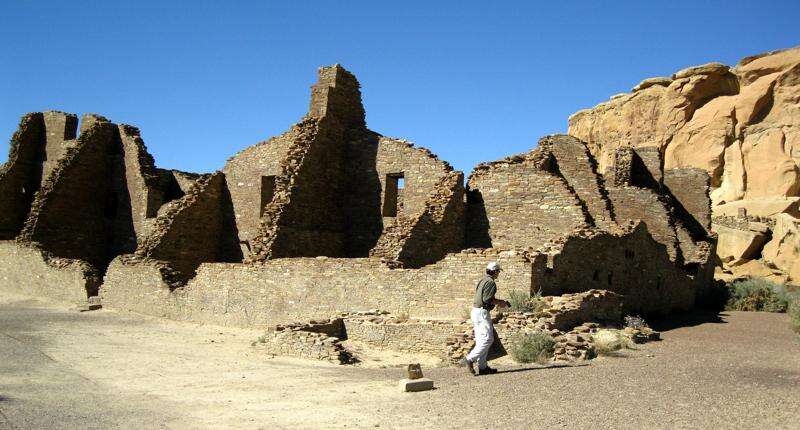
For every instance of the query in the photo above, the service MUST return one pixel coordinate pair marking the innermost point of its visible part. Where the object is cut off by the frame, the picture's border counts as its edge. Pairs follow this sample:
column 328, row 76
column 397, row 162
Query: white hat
column 493, row 267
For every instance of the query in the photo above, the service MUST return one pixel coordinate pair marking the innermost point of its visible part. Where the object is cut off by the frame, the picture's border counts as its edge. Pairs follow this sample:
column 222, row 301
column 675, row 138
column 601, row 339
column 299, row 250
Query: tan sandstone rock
column 761, row 207
column 783, row 251
column 736, row 246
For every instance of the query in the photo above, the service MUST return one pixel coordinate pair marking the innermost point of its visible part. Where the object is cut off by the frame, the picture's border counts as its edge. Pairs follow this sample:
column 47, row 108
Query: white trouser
column 484, row 336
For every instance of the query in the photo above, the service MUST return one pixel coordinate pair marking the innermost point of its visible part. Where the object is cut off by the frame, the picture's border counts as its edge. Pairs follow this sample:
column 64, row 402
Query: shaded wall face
column 690, row 187
column 519, row 205
column 20, row 176
column 578, row 167
column 85, row 214
column 632, row 203
column 197, row 232
column 633, row 265
column 247, row 176
column 312, row 224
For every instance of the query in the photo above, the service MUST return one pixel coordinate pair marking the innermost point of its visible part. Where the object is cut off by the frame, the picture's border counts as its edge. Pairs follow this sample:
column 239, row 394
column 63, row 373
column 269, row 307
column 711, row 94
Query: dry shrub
column 607, row 341
column 521, row 301
column 532, row 347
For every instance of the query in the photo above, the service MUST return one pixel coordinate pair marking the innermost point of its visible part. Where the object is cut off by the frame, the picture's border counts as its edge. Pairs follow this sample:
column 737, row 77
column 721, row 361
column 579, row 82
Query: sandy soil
column 63, row 369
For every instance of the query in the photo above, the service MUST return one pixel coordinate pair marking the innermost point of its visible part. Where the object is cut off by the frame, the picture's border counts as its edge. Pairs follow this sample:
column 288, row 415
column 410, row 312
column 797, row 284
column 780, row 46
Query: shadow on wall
column 229, row 250
column 362, row 191
column 477, row 221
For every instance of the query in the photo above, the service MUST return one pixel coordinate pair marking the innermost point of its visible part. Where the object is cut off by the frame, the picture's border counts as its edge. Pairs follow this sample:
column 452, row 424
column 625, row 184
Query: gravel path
column 102, row 369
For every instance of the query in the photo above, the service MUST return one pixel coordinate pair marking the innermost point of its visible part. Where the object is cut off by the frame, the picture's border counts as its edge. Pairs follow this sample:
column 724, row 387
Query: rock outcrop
column 740, row 124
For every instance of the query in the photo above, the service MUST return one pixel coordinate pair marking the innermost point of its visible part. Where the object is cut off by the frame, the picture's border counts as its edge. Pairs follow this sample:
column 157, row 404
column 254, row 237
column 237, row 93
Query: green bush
column 521, row 301
column 794, row 313
column 757, row 294
column 532, row 347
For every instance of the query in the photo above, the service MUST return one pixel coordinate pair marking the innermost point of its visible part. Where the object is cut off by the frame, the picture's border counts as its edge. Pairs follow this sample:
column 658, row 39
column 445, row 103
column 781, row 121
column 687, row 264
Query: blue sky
column 472, row 81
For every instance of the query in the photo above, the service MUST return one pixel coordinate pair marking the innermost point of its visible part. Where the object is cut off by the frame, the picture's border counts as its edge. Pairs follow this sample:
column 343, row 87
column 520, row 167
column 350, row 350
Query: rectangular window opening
column 391, row 193
column 267, row 193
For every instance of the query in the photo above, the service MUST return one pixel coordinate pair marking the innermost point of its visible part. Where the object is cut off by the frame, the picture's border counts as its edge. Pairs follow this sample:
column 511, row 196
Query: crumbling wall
column 690, row 188
column 72, row 215
column 249, row 175
column 142, row 181
column 291, row 289
column 193, row 230
column 429, row 236
column 30, row 271
column 389, row 180
column 520, row 202
column 60, row 129
column 632, row 264
column 21, row 175
column 579, row 168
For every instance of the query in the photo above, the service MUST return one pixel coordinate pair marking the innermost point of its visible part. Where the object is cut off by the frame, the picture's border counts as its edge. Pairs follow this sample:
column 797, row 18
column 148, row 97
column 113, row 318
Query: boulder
column 783, row 251
column 735, row 246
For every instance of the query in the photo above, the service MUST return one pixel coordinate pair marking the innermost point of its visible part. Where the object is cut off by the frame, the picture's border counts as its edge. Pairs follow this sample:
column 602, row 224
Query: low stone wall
column 25, row 270
column 409, row 336
column 297, row 289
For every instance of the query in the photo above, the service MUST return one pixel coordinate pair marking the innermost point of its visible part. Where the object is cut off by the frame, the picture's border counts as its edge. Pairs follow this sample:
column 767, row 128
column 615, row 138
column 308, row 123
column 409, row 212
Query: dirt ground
column 63, row 369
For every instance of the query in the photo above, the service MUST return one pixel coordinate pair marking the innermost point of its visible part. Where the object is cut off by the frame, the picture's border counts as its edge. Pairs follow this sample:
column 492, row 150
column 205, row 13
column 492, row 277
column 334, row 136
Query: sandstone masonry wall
column 291, row 289
column 73, row 214
column 579, row 168
column 520, row 202
column 193, row 230
column 60, row 129
column 247, row 176
column 21, row 175
column 428, row 237
column 30, row 271
column 632, row 264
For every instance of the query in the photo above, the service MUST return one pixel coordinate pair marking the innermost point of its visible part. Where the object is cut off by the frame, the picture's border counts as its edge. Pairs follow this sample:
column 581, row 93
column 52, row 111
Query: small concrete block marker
column 415, row 381
column 413, row 385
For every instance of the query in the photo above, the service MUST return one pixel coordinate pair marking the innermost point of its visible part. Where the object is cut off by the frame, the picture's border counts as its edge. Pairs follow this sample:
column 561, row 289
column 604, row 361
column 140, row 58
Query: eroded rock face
column 741, row 124
column 783, row 251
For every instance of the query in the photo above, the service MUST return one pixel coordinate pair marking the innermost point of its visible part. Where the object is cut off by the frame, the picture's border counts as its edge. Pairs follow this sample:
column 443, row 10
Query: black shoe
column 468, row 364
column 487, row 371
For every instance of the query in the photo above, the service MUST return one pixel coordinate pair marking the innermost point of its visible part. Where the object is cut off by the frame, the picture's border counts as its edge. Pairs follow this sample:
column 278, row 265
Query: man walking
column 482, row 321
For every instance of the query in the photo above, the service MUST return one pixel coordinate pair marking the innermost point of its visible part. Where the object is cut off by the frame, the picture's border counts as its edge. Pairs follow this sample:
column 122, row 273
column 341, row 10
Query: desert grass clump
column 794, row 313
column 523, row 302
column 758, row 294
column 532, row 347
column 607, row 342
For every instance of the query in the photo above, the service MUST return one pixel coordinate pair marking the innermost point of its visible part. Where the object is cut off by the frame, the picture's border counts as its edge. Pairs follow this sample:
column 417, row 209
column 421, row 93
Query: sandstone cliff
column 742, row 125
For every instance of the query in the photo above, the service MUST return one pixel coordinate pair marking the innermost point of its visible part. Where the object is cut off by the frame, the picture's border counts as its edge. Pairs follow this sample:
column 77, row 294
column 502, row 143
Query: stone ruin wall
column 631, row 263
column 243, row 176
column 29, row 271
column 193, row 230
column 20, row 175
column 60, row 129
column 576, row 164
column 520, row 202
column 290, row 289
column 430, row 235
column 182, row 224
column 71, row 215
